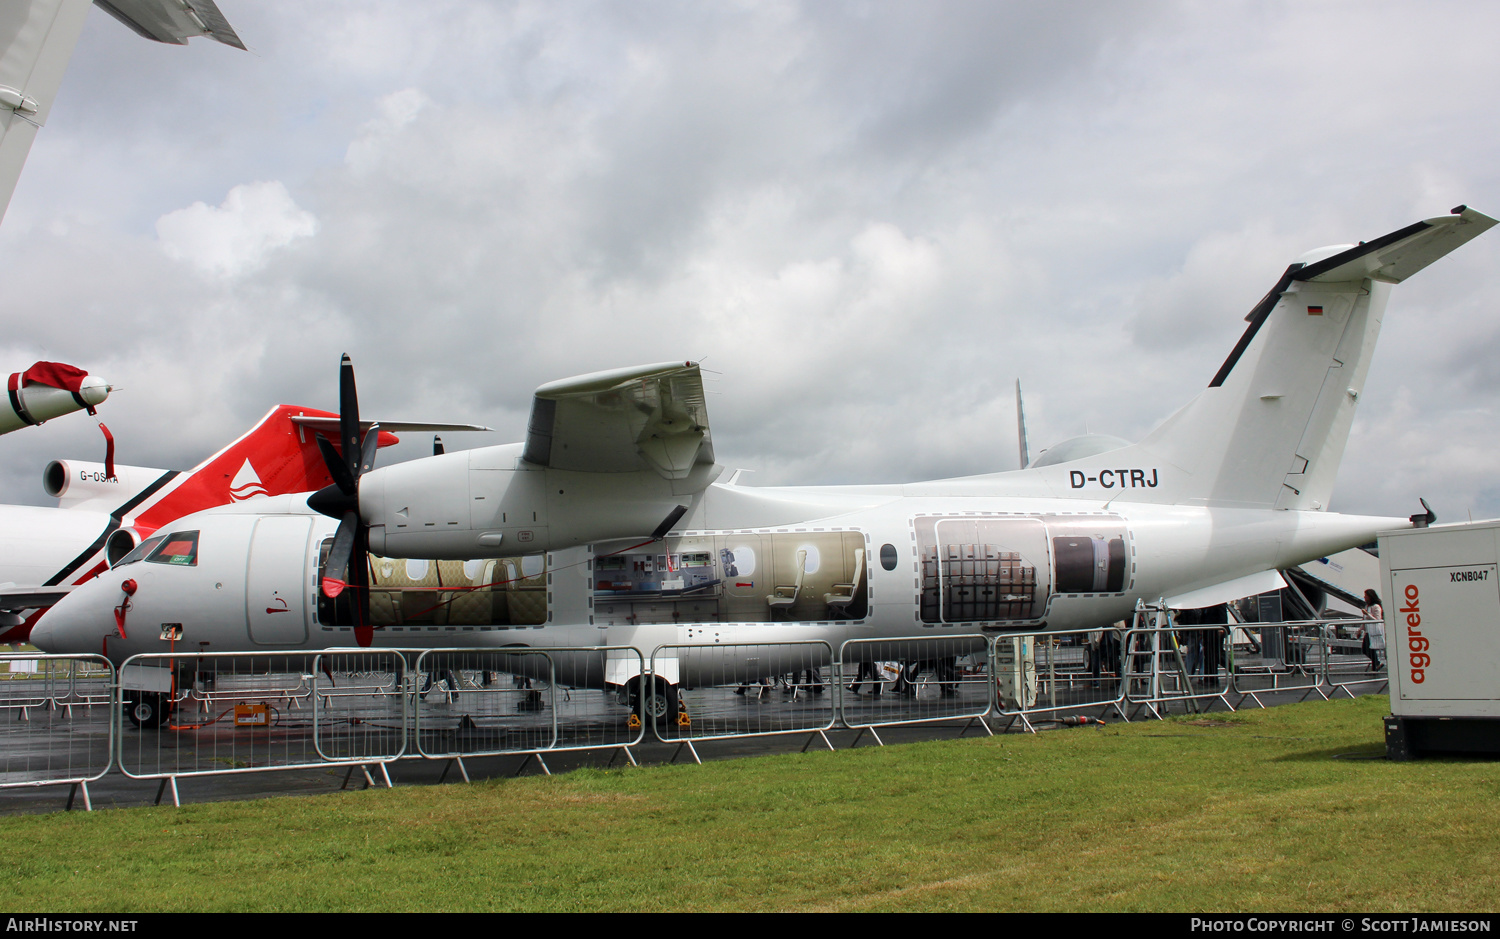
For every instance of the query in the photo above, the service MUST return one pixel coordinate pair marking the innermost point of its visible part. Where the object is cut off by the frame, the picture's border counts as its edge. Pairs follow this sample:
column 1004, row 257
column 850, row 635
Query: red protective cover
column 55, row 375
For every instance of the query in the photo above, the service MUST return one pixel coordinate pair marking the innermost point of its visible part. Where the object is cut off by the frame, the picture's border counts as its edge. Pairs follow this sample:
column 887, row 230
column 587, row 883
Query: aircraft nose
column 41, row 633
column 75, row 624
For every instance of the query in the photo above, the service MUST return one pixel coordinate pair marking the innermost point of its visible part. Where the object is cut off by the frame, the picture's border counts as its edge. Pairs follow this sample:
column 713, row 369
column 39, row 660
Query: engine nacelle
column 73, row 482
column 488, row 502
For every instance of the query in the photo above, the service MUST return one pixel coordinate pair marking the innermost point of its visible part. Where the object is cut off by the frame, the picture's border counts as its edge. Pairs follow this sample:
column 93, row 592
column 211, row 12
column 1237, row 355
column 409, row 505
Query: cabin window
column 888, row 557
column 180, row 548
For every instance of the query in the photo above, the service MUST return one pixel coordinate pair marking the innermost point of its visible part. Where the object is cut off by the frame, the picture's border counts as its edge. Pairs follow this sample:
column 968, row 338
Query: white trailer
column 1442, row 624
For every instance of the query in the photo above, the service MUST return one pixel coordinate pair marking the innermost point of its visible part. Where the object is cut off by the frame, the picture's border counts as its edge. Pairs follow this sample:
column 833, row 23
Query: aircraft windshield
column 179, row 548
column 140, row 551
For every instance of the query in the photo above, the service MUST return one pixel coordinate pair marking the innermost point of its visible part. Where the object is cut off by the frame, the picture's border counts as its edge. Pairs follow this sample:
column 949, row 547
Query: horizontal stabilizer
column 330, row 425
column 625, row 420
column 1393, row 258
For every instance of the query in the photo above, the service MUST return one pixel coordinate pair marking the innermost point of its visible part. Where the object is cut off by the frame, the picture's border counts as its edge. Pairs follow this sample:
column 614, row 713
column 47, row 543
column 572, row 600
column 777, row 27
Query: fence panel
column 54, row 729
column 1356, row 653
column 1282, row 657
column 916, row 679
column 1042, row 673
column 361, row 706
column 204, row 713
column 522, row 700
column 740, row 689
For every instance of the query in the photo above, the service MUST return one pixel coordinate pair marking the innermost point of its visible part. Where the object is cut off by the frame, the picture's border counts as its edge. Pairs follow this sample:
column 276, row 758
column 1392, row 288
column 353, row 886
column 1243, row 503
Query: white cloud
column 236, row 237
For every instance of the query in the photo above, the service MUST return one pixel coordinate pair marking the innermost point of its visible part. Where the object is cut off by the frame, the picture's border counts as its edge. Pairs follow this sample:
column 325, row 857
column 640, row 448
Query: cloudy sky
column 867, row 219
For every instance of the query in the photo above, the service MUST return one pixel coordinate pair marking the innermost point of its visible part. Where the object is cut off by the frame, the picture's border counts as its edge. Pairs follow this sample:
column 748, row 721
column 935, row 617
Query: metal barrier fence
column 1306, row 656
column 915, row 680
column 1159, row 672
column 204, row 714
column 472, row 703
column 170, row 715
column 740, row 689
column 1052, row 672
column 50, row 735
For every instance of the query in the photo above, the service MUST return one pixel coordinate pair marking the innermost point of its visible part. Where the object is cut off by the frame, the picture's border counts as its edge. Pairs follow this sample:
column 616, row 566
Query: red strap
column 120, row 612
column 55, row 375
column 109, row 451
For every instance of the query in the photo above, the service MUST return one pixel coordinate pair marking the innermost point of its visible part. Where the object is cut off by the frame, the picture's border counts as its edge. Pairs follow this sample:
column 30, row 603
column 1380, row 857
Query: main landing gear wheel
column 660, row 704
column 147, row 708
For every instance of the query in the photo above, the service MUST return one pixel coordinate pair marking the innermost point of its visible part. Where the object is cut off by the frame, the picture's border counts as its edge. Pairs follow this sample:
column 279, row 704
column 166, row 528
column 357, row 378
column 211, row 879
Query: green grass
column 1277, row 810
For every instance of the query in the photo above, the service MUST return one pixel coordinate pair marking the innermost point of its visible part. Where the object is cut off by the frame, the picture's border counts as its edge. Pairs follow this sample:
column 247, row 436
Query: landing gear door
column 277, row 582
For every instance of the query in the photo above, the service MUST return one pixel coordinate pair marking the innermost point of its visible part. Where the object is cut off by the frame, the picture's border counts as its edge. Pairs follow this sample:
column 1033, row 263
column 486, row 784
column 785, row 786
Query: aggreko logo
column 1416, row 643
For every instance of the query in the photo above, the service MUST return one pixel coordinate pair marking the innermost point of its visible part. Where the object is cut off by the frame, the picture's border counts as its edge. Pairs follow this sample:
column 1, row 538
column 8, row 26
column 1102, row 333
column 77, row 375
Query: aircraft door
column 744, row 563
column 276, row 581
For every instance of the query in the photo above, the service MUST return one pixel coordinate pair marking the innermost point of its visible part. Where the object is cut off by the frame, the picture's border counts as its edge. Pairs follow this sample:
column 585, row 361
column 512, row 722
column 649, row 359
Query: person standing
column 1372, row 634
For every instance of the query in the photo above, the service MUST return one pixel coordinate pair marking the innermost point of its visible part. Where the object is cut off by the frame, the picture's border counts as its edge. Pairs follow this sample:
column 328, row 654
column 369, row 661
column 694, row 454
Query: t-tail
column 1269, row 430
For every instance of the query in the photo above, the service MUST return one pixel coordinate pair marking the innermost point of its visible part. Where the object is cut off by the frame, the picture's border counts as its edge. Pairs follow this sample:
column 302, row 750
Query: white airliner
column 609, row 525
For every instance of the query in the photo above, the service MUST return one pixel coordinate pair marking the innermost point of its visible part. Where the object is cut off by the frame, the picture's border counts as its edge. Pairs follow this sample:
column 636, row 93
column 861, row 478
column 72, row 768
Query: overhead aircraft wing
column 330, row 426
column 37, row 39
column 173, row 21
column 648, row 417
column 15, row 599
column 1393, row 258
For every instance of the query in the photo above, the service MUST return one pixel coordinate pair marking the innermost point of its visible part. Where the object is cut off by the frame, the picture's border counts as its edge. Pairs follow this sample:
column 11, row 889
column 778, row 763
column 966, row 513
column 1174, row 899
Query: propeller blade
column 337, row 564
column 367, row 452
column 336, row 466
column 349, row 436
column 359, row 579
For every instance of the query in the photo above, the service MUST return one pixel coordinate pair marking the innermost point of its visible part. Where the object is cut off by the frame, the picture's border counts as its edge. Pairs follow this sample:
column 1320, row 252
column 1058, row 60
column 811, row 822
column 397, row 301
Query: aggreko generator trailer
column 1442, row 625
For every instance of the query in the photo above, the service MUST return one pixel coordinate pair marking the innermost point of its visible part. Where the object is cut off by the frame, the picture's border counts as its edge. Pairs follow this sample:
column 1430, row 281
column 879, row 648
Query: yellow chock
column 683, row 720
column 635, row 721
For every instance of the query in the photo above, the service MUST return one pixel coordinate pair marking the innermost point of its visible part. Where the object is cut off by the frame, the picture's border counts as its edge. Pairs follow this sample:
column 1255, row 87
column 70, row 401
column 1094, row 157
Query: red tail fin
column 273, row 458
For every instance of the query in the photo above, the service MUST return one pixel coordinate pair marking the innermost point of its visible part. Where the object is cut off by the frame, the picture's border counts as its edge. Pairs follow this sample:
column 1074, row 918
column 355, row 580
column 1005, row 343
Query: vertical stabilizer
column 1270, row 429
column 1021, row 429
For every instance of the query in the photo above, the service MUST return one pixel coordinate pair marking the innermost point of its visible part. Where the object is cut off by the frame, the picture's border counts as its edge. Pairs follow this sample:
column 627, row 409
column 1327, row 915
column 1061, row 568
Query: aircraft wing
column 1393, row 258
column 625, row 420
column 37, row 39
column 15, row 599
column 173, row 21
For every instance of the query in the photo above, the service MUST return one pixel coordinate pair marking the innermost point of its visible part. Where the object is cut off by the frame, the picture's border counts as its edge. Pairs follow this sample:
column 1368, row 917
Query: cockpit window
column 140, row 551
column 179, row 548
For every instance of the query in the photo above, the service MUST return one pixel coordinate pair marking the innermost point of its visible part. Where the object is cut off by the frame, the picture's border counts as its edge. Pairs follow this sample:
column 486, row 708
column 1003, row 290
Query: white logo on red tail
column 246, row 484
